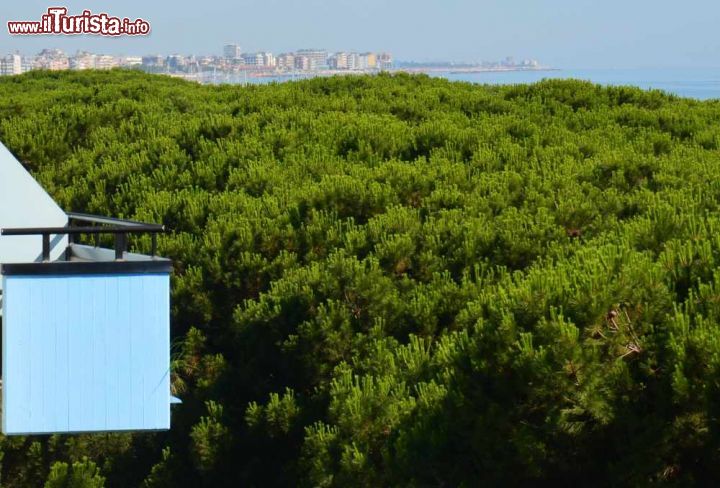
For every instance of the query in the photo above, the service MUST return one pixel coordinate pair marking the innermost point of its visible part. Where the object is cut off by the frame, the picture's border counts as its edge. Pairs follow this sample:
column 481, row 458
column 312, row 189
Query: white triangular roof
column 24, row 203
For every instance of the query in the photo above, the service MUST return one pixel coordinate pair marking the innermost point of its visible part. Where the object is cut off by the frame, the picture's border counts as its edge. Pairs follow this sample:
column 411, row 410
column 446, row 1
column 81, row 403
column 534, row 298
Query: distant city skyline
column 233, row 50
column 234, row 62
column 562, row 33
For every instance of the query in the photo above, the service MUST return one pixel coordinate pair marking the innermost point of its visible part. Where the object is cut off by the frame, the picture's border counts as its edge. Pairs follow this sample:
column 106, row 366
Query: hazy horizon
column 561, row 33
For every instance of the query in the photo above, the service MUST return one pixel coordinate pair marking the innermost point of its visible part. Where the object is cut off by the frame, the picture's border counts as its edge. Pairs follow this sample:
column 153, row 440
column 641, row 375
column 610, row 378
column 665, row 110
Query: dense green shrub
column 399, row 280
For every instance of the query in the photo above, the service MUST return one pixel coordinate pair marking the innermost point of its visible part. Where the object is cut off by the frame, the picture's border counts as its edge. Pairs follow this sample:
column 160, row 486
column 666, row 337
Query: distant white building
column 304, row 63
column 252, row 59
column 261, row 59
column 175, row 61
column 82, row 61
column 131, row 61
column 285, row 61
column 11, row 64
column 232, row 51
column 338, row 61
column 106, row 62
column 52, row 59
column 367, row 61
column 27, row 64
column 385, row 61
column 153, row 61
column 353, row 61
column 268, row 59
column 318, row 57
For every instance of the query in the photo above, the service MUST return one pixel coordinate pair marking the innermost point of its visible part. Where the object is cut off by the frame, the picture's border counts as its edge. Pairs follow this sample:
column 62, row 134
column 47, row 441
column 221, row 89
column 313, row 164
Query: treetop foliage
column 396, row 280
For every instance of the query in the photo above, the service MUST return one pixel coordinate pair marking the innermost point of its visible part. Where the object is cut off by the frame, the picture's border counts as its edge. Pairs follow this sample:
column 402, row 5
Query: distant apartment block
column 318, row 58
column 82, row 61
column 175, row 61
column 251, row 59
column 268, row 60
column 353, row 61
column 11, row 65
column 285, row 61
column 368, row 61
column 338, row 61
column 131, row 61
column 259, row 60
column 51, row 59
column 304, row 63
column 232, row 51
column 153, row 61
column 106, row 62
column 27, row 64
column 385, row 61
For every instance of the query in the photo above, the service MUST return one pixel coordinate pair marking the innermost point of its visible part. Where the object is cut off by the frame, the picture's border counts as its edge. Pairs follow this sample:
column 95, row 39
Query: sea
column 697, row 83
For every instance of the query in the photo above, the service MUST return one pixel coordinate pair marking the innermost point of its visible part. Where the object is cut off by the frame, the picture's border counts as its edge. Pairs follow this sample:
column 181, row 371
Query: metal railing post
column 46, row 248
column 120, row 246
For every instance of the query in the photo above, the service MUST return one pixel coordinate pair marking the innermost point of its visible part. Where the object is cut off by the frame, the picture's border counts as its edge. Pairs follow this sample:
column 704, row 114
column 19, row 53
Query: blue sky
column 562, row 33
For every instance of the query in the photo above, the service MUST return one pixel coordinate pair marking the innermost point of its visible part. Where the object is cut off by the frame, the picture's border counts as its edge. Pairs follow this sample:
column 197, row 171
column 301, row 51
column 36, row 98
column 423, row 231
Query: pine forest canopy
column 395, row 280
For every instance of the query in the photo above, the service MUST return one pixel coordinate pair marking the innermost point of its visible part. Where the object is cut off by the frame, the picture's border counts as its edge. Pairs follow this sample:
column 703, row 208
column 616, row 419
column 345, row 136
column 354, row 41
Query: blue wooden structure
column 85, row 331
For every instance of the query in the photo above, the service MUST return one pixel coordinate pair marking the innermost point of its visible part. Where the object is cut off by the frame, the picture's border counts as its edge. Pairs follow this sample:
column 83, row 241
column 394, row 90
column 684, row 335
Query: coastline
column 239, row 76
column 473, row 69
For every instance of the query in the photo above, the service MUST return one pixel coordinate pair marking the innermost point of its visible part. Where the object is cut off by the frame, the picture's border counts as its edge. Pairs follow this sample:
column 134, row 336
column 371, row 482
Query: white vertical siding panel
column 97, row 300
column 80, row 357
column 122, row 394
column 36, row 321
column 17, row 395
column 139, row 351
column 86, row 353
column 65, row 327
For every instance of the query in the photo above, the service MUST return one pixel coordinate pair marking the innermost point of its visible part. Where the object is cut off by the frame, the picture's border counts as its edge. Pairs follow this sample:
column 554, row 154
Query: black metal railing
column 118, row 227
